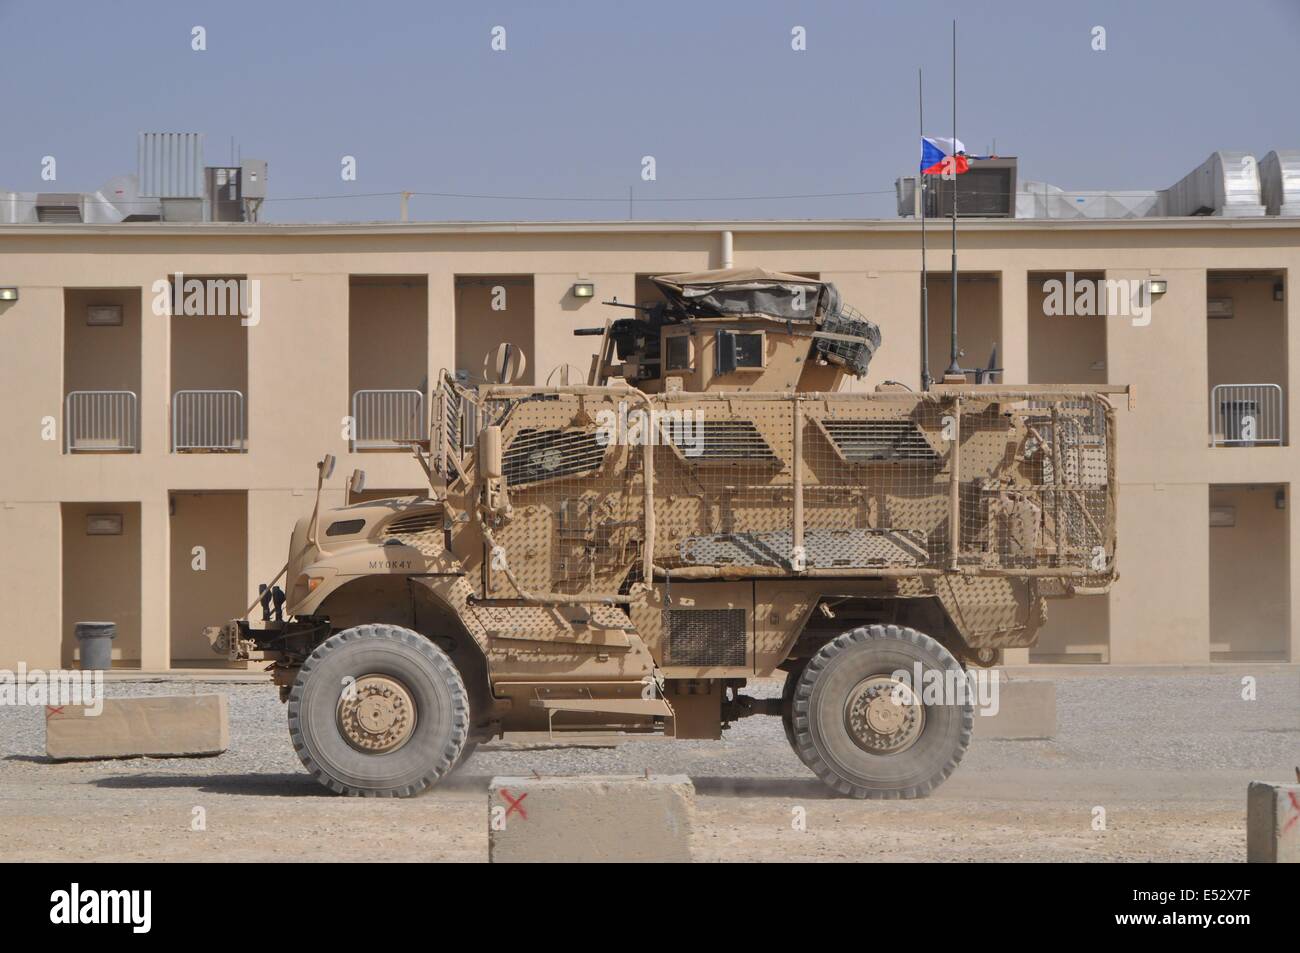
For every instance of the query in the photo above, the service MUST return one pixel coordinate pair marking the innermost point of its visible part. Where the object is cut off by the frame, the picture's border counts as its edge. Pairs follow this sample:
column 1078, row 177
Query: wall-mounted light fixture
column 8, row 294
column 1223, row 516
column 104, row 524
column 584, row 289
column 1157, row 286
column 104, row 315
column 1278, row 294
column 1279, row 498
column 1218, row 308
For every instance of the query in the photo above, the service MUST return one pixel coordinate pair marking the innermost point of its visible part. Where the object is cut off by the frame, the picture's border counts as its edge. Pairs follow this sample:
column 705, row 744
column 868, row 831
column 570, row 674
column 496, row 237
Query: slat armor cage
column 608, row 485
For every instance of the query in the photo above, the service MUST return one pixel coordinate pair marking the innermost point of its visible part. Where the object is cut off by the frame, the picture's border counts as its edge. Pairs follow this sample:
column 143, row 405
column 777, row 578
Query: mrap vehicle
column 621, row 558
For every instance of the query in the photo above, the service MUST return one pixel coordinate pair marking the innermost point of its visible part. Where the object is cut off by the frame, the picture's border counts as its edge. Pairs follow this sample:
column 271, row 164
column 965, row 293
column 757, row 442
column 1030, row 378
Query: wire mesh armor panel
column 1037, row 491
column 876, row 483
column 872, row 475
column 575, row 481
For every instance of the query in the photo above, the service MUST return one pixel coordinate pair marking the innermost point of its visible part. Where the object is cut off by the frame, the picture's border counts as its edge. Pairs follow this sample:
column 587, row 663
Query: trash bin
column 1235, row 413
column 96, row 639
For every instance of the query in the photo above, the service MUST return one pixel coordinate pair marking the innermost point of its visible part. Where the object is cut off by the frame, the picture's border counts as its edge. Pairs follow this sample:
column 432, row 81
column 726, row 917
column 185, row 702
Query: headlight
column 304, row 586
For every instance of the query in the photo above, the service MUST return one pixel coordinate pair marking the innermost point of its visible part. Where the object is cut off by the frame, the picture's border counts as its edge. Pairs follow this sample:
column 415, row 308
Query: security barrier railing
column 1246, row 415
column 208, row 420
column 101, row 421
column 387, row 419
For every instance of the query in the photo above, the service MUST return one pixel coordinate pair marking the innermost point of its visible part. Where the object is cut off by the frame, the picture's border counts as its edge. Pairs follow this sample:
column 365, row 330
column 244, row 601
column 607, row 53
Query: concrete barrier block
column 163, row 726
column 1026, row 710
column 1272, row 823
column 594, row 819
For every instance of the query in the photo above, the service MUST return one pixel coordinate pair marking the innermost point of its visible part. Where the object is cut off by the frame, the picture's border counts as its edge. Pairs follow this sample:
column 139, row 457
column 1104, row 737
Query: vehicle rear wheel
column 868, row 734
column 466, row 753
column 378, row 711
column 787, row 704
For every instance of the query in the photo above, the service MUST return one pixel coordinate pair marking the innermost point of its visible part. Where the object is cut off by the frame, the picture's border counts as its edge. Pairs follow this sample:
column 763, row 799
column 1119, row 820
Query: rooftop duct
column 1040, row 200
column 1279, row 182
column 59, row 207
column 1227, row 184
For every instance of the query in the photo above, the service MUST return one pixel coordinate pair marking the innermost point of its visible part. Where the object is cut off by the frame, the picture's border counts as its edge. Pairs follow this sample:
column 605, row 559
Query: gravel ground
column 1168, row 756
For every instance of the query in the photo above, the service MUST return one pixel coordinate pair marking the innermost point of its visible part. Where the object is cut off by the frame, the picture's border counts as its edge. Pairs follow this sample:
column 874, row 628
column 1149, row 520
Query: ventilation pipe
column 728, row 257
column 1279, row 182
column 1226, row 184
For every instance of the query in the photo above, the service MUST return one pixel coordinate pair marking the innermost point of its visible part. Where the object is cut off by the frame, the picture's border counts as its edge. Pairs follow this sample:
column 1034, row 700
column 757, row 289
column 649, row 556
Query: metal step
column 641, row 707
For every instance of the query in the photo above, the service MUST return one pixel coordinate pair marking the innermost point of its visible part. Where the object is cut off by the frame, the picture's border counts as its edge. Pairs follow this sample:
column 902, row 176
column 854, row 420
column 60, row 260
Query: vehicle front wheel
column 868, row 733
column 378, row 711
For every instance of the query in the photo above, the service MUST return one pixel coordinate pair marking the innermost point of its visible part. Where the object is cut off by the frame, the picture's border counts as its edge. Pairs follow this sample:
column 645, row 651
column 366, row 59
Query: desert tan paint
column 298, row 357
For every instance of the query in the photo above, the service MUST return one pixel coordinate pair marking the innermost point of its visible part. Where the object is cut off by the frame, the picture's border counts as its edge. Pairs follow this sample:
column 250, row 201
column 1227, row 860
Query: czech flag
column 944, row 156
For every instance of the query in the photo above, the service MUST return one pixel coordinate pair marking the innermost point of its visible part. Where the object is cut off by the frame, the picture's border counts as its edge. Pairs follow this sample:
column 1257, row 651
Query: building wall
column 299, row 370
column 101, row 357
column 979, row 320
column 208, row 353
column 1249, row 570
column 209, row 584
column 1064, row 347
column 1249, row 347
column 498, row 309
column 388, row 325
column 101, row 578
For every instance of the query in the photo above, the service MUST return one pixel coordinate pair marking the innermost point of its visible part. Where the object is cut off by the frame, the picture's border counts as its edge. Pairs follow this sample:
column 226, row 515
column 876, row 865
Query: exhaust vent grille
column 705, row 637
column 58, row 214
column 880, row 441
column 537, row 455
column 416, row 523
column 725, row 440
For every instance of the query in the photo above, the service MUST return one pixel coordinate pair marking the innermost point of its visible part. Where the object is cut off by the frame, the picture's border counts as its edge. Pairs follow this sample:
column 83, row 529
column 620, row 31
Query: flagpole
column 954, row 366
column 926, row 380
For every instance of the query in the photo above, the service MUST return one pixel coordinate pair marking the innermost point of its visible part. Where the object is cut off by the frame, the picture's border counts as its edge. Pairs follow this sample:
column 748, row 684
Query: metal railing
column 101, row 421
column 208, row 420
column 386, row 419
column 1246, row 415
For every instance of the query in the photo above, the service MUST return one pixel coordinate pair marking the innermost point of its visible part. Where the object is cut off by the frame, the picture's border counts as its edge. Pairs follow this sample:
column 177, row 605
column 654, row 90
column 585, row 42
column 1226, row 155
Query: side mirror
column 490, row 465
column 326, row 466
column 357, row 482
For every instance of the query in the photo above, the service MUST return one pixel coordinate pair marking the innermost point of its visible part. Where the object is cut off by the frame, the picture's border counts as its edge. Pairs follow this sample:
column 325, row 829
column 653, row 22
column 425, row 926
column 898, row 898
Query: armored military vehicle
column 623, row 557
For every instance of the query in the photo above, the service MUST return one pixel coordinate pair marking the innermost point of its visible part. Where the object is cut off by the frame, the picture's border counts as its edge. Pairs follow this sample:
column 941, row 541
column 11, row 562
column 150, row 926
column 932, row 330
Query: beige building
column 155, row 462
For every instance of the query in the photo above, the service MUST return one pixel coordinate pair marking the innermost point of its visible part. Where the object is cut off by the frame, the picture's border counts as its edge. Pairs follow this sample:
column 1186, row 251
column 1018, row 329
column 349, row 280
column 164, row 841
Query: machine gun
column 632, row 339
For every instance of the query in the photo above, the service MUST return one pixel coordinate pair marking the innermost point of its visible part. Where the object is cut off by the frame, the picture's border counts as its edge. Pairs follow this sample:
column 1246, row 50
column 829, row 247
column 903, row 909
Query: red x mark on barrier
column 516, row 804
column 1291, row 821
column 52, row 710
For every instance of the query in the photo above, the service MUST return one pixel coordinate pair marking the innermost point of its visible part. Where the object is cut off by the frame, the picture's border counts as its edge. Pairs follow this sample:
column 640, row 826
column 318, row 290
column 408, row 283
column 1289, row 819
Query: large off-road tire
column 787, row 704
column 378, row 711
column 466, row 753
column 849, row 730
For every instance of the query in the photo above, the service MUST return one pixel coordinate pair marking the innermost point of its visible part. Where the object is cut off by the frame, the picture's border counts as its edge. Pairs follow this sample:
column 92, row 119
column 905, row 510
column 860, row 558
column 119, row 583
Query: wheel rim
column 883, row 715
column 377, row 715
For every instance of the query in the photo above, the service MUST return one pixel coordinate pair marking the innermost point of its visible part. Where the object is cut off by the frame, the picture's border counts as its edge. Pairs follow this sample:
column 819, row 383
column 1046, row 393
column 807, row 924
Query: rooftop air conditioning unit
column 986, row 190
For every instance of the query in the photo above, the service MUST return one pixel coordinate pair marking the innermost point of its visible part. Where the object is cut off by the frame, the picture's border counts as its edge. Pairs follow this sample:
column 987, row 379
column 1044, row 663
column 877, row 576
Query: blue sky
column 712, row 90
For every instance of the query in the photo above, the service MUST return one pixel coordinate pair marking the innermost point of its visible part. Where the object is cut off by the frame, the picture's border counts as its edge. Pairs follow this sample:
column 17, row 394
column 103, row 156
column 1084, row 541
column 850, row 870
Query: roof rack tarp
column 737, row 291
